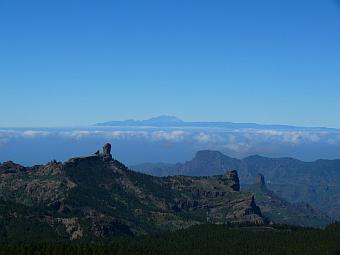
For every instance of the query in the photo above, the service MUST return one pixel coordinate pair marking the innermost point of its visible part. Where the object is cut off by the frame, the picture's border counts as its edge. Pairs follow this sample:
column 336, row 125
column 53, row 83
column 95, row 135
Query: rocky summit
column 97, row 197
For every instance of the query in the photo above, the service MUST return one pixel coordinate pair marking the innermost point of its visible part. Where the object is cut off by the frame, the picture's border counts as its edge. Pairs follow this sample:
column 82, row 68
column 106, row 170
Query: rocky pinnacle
column 260, row 181
column 107, row 152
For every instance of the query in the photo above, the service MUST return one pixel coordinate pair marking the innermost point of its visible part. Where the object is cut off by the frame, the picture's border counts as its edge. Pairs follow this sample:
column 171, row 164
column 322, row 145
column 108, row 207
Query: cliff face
column 217, row 197
column 279, row 211
column 96, row 197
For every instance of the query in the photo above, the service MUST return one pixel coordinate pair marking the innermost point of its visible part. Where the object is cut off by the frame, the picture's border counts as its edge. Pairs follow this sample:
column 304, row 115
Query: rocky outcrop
column 107, row 152
column 105, row 156
column 260, row 180
column 72, row 227
column 218, row 197
column 11, row 167
column 231, row 179
column 280, row 211
column 247, row 210
column 107, row 149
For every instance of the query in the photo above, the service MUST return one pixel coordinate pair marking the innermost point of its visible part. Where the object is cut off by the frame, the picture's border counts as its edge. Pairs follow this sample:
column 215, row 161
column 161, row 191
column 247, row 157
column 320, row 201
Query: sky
column 74, row 63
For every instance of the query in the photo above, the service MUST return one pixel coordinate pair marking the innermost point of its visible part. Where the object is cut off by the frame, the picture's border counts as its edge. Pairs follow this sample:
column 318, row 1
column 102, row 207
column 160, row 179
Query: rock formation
column 11, row 167
column 260, row 180
column 231, row 179
column 107, row 149
column 107, row 152
column 280, row 211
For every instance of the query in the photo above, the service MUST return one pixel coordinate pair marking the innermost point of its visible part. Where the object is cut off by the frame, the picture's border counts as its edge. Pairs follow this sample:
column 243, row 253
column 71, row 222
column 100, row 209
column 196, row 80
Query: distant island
column 172, row 121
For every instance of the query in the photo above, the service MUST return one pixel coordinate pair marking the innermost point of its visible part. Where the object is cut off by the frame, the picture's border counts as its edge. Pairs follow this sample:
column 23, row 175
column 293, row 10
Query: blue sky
column 67, row 63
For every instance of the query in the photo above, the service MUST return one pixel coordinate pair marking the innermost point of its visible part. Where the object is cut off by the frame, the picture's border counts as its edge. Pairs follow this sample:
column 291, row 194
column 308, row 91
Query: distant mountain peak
column 161, row 121
column 165, row 119
column 208, row 154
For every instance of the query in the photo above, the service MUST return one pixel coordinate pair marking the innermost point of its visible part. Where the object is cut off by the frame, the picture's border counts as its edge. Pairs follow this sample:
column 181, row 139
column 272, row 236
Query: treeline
column 204, row 239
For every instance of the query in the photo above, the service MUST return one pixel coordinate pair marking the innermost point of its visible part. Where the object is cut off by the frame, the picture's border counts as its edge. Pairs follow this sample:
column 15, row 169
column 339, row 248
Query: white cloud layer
column 238, row 140
column 34, row 134
column 173, row 136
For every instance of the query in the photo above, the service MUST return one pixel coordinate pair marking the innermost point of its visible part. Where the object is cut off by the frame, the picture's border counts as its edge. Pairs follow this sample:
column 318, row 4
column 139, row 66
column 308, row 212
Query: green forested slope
column 205, row 239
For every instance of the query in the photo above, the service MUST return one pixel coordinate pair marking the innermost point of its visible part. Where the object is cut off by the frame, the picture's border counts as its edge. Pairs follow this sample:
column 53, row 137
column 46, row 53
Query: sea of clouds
column 137, row 145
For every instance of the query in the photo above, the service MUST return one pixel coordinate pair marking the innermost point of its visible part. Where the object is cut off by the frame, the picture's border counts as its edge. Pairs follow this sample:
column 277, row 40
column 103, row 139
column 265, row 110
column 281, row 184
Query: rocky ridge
column 97, row 197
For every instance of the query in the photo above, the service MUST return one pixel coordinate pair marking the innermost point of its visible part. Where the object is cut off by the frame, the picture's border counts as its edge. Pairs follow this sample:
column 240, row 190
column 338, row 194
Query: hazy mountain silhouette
column 316, row 183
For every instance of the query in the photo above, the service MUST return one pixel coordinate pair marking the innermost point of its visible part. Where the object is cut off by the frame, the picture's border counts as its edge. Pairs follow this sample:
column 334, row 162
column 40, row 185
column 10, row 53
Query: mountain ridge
column 96, row 197
column 315, row 182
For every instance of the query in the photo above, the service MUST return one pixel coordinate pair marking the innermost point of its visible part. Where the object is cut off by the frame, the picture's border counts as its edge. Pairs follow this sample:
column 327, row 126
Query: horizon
column 99, row 124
